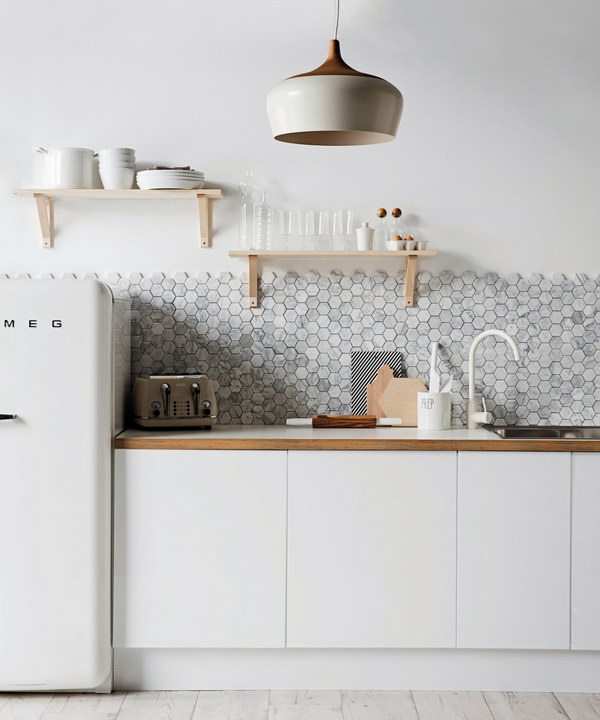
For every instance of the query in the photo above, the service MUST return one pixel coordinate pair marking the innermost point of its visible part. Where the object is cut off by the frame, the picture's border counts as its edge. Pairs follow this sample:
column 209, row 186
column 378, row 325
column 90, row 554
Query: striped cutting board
column 363, row 370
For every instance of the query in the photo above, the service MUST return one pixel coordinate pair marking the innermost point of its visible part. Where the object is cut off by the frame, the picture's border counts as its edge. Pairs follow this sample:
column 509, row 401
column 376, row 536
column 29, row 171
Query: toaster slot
column 195, row 388
column 165, row 391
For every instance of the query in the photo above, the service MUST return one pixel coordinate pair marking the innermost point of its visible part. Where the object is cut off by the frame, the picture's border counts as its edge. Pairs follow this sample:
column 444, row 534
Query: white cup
column 117, row 178
column 410, row 244
column 422, row 244
column 434, row 410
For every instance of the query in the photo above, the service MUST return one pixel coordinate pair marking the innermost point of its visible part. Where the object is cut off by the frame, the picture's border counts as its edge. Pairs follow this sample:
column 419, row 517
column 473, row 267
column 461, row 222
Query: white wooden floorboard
column 301, row 705
column 23, row 707
column 580, row 707
column 451, row 706
column 304, row 712
column 525, row 706
column 370, row 705
column 323, row 698
column 230, row 705
column 85, row 703
column 305, row 705
column 74, row 715
column 158, row 706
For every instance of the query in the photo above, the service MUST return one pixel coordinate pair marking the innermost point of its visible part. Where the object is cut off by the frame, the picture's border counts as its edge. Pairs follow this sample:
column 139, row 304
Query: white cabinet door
column 513, row 550
column 586, row 552
column 371, row 549
column 200, row 549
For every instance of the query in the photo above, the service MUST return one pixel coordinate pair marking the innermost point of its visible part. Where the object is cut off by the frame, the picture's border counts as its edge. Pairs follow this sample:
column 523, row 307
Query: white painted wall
column 496, row 163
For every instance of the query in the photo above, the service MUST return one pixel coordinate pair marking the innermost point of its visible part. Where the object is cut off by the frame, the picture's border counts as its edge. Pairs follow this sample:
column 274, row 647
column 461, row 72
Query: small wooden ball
column 410, row 238
column 396, row 212
column 397, row 238
column 382, row 212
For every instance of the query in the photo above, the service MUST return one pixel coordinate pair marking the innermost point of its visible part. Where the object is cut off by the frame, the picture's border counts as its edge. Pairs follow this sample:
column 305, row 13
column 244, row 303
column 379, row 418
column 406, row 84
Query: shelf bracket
column 252, row 281
column 205, row 212
column 409, row 280
column 46, row 216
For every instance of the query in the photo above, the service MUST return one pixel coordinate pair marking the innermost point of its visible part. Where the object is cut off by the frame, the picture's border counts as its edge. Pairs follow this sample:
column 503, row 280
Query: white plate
column 164, row 173
column 149, row 170
column 169, row 178
column 171, row 184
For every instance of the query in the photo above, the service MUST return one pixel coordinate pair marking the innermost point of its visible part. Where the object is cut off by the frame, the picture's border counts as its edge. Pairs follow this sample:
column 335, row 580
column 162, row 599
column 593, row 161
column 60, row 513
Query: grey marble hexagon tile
column 291, row 357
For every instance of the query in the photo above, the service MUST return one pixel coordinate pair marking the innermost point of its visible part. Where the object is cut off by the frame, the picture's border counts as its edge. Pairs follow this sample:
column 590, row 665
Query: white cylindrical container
column 434, row 411
column 364, row 237
column 67, row 168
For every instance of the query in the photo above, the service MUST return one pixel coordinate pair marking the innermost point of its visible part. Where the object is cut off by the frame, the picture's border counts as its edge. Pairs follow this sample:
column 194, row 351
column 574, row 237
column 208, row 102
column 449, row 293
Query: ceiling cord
column 337, row 17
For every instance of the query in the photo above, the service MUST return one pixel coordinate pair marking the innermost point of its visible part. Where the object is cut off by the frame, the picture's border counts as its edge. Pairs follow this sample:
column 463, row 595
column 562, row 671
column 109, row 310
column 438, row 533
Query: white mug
column 66, row 168
column 434, row 410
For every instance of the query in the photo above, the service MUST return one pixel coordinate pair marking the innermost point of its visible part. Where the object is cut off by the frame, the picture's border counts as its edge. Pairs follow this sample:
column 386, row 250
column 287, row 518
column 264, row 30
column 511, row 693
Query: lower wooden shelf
column 410, row 257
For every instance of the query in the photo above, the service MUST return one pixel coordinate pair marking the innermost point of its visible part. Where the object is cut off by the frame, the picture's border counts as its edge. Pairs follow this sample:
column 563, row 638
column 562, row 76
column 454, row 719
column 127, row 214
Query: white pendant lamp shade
column 334, row 105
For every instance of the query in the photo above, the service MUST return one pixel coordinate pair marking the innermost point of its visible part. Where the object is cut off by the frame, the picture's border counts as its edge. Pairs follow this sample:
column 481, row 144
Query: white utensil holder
column 434, row 411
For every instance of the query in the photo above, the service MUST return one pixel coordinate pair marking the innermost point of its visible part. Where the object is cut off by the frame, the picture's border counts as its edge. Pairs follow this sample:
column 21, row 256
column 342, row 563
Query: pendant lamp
column 334, row 105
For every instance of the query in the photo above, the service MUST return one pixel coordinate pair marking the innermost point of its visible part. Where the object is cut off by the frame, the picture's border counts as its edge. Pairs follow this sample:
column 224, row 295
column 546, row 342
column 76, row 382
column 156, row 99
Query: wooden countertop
column 281, row 437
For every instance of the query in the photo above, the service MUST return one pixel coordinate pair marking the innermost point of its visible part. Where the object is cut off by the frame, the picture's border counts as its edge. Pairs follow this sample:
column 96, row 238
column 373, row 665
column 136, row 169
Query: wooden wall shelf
column 44, row 199
column 254, row 256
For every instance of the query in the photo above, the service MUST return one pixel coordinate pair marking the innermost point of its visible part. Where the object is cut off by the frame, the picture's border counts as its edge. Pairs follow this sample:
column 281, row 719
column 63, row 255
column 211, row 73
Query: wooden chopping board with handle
column 388, row 396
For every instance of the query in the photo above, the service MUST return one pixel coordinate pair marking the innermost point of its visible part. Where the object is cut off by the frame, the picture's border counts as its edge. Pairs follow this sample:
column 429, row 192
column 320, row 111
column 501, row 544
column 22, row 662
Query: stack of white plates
column 170, row 180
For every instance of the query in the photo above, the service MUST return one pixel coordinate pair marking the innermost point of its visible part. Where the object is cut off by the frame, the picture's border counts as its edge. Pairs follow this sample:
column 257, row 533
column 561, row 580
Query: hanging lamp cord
column 337, row 18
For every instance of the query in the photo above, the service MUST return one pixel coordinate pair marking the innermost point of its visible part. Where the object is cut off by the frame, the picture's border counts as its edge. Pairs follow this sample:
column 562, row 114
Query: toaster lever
column 165, row 391
column 195, row 388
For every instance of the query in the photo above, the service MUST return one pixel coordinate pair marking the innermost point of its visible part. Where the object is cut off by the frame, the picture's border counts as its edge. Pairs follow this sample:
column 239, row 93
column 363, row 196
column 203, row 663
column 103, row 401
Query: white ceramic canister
column 434, row 410
column 364, row 237
column 66, row 168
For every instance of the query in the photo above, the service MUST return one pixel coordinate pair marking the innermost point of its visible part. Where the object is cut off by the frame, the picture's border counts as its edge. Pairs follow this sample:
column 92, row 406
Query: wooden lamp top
column 335, row 65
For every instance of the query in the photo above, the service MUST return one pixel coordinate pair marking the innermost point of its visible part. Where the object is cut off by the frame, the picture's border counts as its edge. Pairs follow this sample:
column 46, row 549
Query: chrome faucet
column 475, row 418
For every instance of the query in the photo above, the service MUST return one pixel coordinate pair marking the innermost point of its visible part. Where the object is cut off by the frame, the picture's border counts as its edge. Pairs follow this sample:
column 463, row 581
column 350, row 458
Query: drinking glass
column 309, row 225
column 324, row 230
column 286, row 227
column 343, row 226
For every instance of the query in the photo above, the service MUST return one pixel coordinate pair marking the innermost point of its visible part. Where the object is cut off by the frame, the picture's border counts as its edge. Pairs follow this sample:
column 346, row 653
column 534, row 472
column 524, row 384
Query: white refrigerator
column 64, row 369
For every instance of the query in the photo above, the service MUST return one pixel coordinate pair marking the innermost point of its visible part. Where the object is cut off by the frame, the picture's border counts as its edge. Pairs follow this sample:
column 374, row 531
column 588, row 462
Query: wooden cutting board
column 388, row 396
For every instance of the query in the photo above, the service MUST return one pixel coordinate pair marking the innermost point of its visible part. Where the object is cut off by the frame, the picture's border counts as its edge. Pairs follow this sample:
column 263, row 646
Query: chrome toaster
column 171, row 401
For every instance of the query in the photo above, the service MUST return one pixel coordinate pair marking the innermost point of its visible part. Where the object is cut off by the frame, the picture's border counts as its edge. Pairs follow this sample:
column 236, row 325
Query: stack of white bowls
column 117, row 168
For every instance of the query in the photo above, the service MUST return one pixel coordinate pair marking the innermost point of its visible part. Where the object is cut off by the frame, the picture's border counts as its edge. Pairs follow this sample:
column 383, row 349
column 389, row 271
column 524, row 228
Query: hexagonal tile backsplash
column 291, row 356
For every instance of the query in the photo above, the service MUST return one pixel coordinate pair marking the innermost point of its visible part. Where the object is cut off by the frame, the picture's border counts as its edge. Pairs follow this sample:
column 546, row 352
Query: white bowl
column 117, row 178
column 118, row 151
column 116, row 157
column 116, row 163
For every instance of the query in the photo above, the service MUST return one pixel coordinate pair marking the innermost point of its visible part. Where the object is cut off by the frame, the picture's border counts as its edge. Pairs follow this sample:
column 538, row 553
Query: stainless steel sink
column 544, row 432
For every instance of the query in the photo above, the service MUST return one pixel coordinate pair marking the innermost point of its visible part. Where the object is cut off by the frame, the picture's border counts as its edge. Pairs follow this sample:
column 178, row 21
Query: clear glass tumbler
column 285, row 219
column 343, row 228
column 324, row 230
column 310, row 233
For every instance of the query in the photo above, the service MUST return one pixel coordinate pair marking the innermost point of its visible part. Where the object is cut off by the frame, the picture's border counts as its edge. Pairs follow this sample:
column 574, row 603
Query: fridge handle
column 7, row 417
